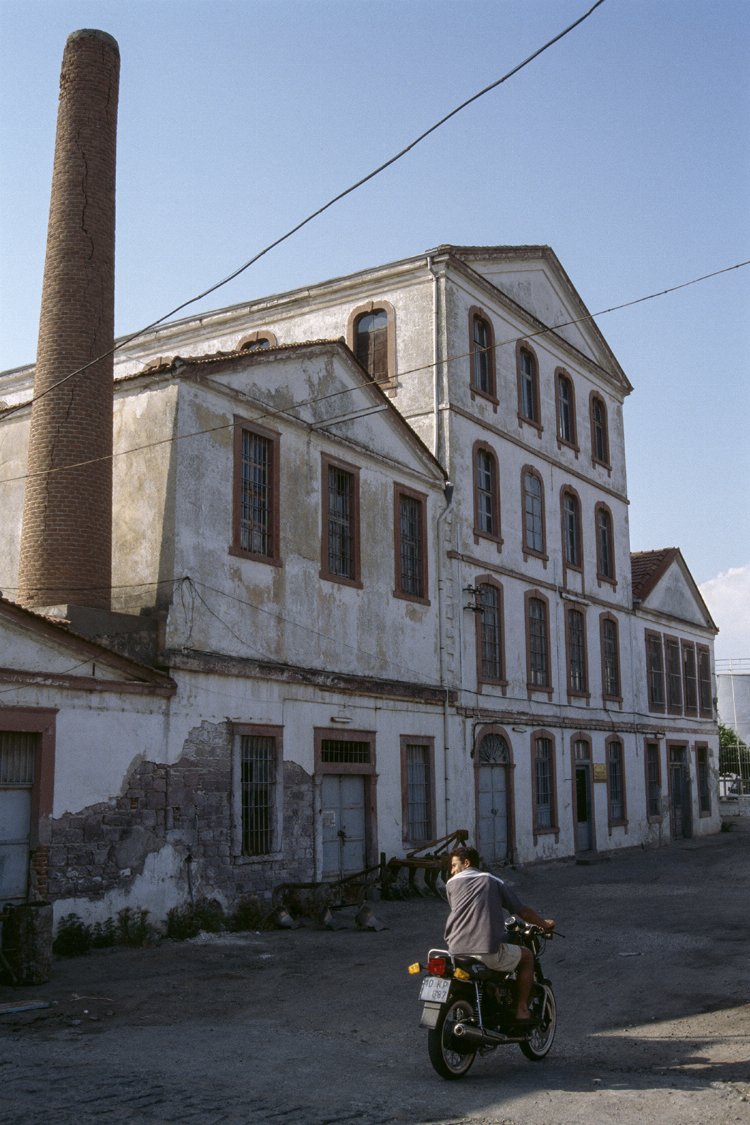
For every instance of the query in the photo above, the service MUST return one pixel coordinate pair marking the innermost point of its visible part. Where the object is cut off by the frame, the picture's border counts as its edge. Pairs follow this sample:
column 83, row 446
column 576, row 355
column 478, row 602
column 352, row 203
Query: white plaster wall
column 14, row 440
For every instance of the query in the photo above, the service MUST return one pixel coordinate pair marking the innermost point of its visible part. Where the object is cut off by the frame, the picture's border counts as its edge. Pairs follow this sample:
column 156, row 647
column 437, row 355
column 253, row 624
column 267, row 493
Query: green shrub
column 204, row 916
column 249, row 915
column 134, row 928
column 104, row 934
column 73, row 937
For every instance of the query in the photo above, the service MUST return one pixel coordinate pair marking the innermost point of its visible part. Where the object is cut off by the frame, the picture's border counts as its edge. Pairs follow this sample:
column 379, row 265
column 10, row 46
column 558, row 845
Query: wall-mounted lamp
column 520, row 730
column 473, row 592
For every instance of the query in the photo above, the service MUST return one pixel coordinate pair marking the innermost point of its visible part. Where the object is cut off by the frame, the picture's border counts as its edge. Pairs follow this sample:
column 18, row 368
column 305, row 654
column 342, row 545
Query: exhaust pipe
column 476, row 1036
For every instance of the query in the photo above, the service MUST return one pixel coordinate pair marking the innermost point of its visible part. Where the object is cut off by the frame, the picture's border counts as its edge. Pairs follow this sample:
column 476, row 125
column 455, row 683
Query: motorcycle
column 469, row 1009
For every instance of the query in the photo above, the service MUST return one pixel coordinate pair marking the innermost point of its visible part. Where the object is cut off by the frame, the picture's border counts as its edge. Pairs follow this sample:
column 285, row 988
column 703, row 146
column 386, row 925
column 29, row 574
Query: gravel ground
column 312, row 1026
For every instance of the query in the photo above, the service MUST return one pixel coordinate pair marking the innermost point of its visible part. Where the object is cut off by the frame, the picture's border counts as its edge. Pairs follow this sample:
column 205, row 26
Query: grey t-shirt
column 476, row 923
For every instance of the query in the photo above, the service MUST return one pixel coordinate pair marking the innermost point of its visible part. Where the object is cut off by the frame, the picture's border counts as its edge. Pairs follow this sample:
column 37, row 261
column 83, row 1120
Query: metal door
column 17, row 763
column 584, row 840
column 492, row 835
column 679, row 793
column 344, row 824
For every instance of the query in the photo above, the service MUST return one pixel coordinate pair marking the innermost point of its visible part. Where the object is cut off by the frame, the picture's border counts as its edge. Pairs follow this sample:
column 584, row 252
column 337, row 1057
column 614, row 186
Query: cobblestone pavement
column 311, row 1026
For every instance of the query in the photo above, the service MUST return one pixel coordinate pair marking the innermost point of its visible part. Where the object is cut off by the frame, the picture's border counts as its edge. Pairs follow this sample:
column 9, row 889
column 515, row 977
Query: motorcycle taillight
column 437, row 966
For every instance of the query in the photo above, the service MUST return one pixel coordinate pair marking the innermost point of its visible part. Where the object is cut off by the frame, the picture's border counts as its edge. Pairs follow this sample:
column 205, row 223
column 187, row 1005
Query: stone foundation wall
column 187, row 805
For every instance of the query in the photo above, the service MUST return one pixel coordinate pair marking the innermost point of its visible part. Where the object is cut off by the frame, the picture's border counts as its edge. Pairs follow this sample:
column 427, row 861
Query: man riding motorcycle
column 476, row 924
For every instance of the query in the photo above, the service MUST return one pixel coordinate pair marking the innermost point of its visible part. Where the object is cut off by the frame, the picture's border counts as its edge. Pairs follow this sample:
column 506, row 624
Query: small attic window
column 257, row 342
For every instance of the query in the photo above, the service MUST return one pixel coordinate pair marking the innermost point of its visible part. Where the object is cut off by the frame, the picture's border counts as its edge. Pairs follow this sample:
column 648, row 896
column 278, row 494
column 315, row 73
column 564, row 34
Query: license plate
column 435, row 988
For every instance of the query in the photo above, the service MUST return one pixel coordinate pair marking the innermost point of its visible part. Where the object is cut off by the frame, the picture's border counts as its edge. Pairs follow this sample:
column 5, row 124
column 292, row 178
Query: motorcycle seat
column 478, row 970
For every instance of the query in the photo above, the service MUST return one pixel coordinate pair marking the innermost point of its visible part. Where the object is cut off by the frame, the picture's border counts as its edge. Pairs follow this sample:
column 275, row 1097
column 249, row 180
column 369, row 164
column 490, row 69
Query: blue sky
column 624, row 147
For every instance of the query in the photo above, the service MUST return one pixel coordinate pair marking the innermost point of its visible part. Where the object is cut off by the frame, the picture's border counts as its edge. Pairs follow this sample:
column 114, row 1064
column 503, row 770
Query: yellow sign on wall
column 600, row 771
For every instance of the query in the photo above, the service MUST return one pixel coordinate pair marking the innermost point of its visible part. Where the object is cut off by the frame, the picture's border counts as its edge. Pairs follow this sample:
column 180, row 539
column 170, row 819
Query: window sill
column 239, row 553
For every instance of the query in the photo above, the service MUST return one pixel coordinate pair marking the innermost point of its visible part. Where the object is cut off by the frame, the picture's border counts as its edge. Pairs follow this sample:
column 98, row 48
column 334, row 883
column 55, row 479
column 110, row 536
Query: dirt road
column 313, row 1026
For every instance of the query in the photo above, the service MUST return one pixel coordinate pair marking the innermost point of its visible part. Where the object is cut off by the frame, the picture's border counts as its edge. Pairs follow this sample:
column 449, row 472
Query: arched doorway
column 494, row 828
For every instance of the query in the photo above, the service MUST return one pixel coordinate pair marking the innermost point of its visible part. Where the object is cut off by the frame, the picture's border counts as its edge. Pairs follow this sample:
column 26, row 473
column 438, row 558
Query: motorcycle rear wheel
column 449, row 1057
column 539, row 1042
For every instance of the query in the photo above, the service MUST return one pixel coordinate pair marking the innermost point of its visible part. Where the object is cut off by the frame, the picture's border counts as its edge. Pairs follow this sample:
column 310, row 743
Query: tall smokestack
column 66, row 538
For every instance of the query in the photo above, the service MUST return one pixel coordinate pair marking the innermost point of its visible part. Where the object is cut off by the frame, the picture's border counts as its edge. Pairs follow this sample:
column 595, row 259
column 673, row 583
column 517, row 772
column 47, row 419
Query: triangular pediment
column 533, row 278
column 662, row 584
column 321, row 385
column 35, row 647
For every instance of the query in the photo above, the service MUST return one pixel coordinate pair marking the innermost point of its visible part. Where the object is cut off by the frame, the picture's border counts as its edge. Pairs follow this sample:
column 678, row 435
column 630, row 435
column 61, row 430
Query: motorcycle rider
column 476, row 924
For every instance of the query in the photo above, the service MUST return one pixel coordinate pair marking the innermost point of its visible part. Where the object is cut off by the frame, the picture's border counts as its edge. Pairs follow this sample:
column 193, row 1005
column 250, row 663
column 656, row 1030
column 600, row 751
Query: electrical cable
column 285, row 412
column 320, row 210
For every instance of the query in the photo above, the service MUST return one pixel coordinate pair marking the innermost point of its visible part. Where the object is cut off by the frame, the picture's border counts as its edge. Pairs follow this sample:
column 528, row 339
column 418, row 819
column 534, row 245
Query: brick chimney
column 66, row 538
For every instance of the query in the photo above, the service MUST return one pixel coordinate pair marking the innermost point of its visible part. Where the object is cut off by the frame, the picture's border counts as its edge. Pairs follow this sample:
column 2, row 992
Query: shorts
column 506, row 960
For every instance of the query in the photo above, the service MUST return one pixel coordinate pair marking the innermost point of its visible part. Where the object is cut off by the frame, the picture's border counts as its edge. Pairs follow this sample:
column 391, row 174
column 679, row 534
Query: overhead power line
column 331, row 202
column 287, row 411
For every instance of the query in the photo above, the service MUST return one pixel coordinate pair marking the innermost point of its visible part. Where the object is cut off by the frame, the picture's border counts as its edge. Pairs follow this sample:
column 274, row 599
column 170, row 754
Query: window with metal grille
column 653, row 779
column 538, row 638
column 610, row 659
column 704, row 791
column 544, row 810
column 490, row 626
column 411, row 546
column 18, row 753
column 340, row 522
column 256, row 494
column 533, row 526
column 258, row 766
column 494, row 750
column 577, row 651
column 345, row 751
column 485, row 468
column 418, row 792
column 616, row 783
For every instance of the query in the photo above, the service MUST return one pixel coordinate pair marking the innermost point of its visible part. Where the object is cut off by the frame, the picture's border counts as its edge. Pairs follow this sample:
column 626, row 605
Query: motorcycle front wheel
column 448, row 1055
column 538, row 1044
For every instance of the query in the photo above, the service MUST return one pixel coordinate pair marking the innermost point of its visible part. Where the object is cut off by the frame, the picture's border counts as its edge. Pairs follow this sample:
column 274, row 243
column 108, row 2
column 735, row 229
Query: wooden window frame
column 577, row 692
column 606, row 459
column 703, row 769
column 648, row 745
column 241, row 427
column 477, row 314
column 563, row 377
column 428, row 743
column 327, row 462
column 690, row 693
column 535, row 418
column 605, row 619
column 529, row 597
column 673, row 674
column 605, row 576
column 652, row 638
column 41, row 721
column 553, row 829
column 567, row 492
column 401, row 491
column 481, row 447
column 531, row 552
column 500, row 681
column 705, row 681
column 389, row 383
column 620, row 821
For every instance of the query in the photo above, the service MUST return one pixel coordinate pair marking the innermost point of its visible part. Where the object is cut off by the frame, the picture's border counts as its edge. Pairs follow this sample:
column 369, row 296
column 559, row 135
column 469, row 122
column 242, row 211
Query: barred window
column 256, row 492
column 340, row 548
column 653, row 780
column 610, row 658
column 544, row 784
column 615, row 783
column 258, row 779
column 345, row 751
column 577, row 678
column 18, row 750
column 490, row 633
column 538, row 643
column 419, row 821
column 411, row 545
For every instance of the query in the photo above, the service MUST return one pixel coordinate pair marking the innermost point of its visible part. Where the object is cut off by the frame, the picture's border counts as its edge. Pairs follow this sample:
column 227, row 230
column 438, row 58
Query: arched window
column 482, row 355
column 599, row 431
column 566, row 410
column 528, row 386
column 371, row 336
column 544, row 785
column 610, row 646
column 571, row 530
column 490, row 654
column 577, row 662
column 257, row 341
column 605, row 546
column 486, row 493
column 533, row 513
column 538, row 671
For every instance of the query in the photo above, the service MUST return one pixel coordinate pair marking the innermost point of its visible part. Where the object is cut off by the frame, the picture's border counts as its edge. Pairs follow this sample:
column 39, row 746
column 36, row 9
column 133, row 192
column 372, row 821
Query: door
column 17, row 766
column 344, row 824
column 679, row 792
column 492, row 835
column 584, row 835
